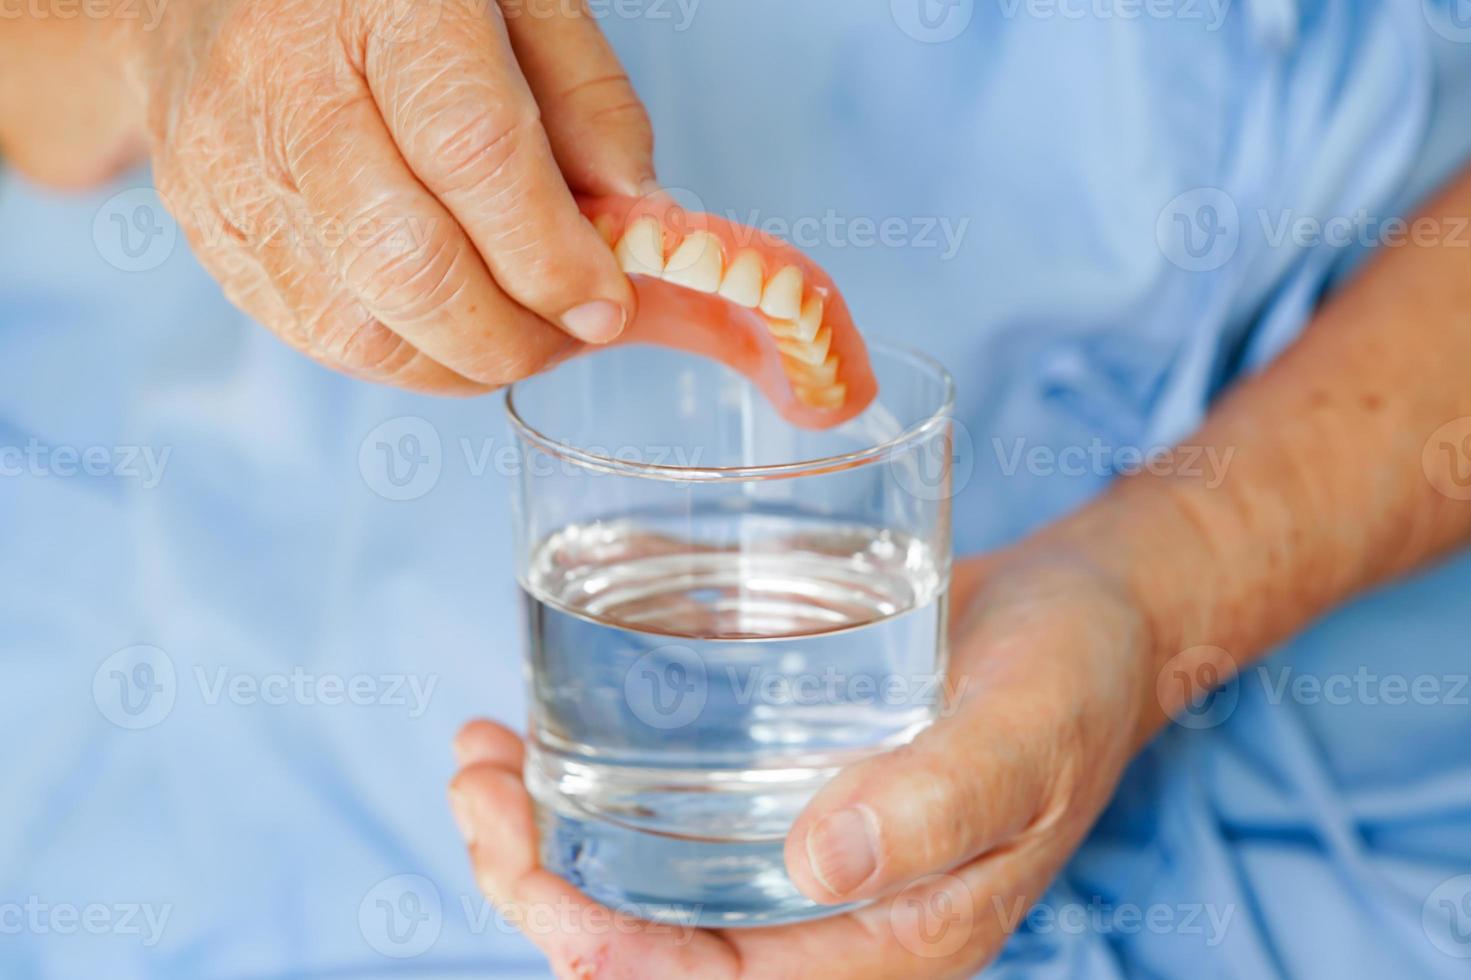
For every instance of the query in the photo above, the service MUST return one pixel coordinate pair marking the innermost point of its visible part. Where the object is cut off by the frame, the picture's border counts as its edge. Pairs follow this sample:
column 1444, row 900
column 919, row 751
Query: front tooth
column 827, row 396
column 782, row 297
column 742, row 282
column 641, row 252
column 813, row 352
column 802, row 373
column 805, row 327
column 697, row 263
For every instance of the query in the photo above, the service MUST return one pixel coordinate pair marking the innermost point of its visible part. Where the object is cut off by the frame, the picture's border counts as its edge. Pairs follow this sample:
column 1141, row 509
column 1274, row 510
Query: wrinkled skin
column 389, row 186
column 973, row 819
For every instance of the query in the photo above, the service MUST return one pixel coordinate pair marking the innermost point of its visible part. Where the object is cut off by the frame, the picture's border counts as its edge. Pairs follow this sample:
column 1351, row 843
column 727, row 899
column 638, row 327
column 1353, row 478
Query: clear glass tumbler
column 722, row 610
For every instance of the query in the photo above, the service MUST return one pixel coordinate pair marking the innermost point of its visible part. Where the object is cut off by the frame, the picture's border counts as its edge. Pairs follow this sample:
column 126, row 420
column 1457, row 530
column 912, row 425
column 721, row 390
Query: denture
column 755, row 303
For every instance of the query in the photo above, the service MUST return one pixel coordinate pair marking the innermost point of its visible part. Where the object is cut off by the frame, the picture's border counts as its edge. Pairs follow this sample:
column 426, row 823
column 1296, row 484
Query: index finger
column 466, row 121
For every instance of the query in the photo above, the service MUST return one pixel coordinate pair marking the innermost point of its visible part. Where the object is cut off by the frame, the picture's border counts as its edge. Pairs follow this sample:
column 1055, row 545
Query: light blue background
column 1072, row 311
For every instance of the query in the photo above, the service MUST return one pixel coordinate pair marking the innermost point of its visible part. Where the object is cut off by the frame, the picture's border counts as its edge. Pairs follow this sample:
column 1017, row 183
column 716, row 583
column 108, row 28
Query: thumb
column 1033, row 732
column 598, row 127
column 968, row 784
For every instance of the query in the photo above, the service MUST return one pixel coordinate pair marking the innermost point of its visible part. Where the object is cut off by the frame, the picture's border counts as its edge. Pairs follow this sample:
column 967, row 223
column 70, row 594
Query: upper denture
column 793, row 308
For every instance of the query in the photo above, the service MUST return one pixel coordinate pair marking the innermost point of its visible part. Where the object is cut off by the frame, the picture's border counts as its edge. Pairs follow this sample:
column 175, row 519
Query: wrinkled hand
column 389, row 185
column 955, row 835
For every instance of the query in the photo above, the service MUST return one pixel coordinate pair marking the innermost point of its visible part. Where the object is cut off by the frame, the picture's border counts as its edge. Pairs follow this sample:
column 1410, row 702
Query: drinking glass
column 721, row 611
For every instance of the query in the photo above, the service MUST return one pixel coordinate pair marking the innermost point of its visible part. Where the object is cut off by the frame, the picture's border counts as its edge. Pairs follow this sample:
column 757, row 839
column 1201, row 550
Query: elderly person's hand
column 1341, row 466
column 1052, row 671
column 389, row 186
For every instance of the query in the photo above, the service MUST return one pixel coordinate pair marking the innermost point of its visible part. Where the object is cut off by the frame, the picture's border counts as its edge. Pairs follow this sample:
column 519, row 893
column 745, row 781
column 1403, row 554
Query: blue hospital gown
column 1084, row 209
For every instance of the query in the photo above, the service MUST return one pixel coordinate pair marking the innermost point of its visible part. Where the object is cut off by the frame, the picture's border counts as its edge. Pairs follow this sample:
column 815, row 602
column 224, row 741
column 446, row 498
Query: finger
column 465, row 119
column 486, row 741
column 942, row 925
column 1006, row 757
column 493, row 811
column 963, row 786
column 403, row 257
column 597, row 125
column 577, row 935
column 981, row 775
column 284, row 284
column 329, row 325
column 952, row 924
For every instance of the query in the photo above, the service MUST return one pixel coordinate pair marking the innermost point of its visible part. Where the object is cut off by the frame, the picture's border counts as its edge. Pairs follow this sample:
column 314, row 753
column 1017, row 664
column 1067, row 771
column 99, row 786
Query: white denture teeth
column 697, row 263
column 814, row 352
column 782, row 297
column 742, row 282
column 641, row 252
column 826, row 396
column 805, row 327
column 812, row 375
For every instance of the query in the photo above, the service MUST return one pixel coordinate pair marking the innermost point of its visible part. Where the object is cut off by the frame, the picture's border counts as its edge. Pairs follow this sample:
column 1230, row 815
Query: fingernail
column 843, row 849
column 461, row 810
column 596, row 323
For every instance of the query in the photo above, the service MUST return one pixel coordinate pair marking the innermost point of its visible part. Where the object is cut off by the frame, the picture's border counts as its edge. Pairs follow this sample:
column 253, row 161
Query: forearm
column 1325, row 493
column 67, row 117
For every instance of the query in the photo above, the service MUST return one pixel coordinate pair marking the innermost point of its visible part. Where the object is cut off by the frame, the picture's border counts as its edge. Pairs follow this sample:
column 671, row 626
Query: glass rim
column 921, row 429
